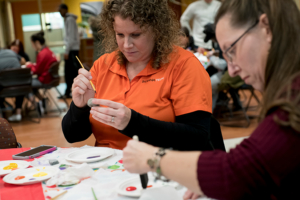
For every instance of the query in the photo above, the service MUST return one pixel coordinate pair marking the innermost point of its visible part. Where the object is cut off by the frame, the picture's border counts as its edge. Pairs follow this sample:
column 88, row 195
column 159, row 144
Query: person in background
column 94, row 22
column 220, row 79
column 10, row 60
column 218, row 63
column 45, row 58
column 72, row 42
column 202, row 12
column 18, row 47
column 186, row 41
column 148, row 85
column 265, row 54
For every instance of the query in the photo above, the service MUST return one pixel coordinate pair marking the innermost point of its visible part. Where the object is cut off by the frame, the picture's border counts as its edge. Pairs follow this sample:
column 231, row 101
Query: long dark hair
column 18, row 43
column 283, row 64
column 38, row 37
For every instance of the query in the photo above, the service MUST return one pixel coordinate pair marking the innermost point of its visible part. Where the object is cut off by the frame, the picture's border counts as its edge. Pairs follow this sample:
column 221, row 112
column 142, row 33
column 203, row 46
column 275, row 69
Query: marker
column 143, row 177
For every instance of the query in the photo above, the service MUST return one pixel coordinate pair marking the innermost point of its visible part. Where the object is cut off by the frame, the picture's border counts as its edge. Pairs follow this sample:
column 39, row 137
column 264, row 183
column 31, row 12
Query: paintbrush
column 84, row 68
column 143, row 177
column 56, row 197
column 94, row 194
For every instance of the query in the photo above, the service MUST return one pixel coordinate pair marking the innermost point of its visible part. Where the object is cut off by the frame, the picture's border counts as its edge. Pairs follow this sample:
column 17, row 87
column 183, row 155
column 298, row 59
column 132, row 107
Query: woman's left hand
column 190, row 195
column 28, row 63
column 115, row 114
column 136, row 155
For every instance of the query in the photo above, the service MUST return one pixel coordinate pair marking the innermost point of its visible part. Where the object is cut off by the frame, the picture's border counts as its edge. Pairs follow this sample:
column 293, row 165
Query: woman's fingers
column 188, row 195
column 103, row 121
column 103, row 117
column 107, row 103
column 78, row 90
column 114, row 114
column 195, row 196
column 85, row 73
column 83, row 79
column 106, row 111
column 81, row 84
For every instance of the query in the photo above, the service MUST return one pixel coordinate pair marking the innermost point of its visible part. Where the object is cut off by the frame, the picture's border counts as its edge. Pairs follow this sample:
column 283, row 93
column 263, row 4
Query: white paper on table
column 104, row 184
column 61, row 153
column 203, row 59
column 161, row 193
column 71, row 175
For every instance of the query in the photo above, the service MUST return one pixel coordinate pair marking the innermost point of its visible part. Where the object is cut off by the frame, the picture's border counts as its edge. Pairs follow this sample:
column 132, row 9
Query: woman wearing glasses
column 260, row 39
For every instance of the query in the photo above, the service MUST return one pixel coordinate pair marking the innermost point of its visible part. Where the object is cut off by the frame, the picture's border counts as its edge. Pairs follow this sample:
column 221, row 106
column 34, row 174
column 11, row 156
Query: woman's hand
column 190, row 195
column 201, row 50
column 114, row 114
column 28, row 63
column 82, row 90
column 136, row 155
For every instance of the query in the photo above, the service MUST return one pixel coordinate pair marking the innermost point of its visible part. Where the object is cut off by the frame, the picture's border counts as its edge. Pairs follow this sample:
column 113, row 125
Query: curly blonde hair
column 145, row 13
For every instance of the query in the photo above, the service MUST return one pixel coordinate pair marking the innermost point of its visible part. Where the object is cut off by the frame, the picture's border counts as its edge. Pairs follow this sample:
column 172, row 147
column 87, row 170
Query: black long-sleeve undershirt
column 188, row 132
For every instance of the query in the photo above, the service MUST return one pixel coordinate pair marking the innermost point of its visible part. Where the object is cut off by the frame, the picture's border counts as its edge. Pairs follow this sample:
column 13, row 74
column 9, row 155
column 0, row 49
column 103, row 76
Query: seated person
column 265, row 165
column 146, row 85
column 217, row 62
column 10, row 60
column 186, row 41
column 18, row 48
column 45, row 58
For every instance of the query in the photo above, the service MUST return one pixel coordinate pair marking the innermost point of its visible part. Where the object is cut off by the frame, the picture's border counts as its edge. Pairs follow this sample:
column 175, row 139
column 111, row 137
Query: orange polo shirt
column 179, row 87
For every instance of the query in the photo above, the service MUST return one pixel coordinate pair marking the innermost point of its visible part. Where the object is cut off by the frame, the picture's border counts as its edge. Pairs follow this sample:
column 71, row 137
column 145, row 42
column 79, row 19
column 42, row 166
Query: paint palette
column 133, row 187
column 30, row 175
column 89, row 155
column 9, row 166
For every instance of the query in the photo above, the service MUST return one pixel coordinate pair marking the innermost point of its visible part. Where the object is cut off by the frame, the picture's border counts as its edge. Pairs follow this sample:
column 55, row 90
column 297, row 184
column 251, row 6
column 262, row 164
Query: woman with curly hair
column 146, row 85
column 264, row 53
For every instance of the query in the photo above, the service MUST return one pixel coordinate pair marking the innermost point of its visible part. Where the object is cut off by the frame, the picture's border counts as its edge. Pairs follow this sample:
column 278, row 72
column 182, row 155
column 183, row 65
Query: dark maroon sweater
column 264, row 166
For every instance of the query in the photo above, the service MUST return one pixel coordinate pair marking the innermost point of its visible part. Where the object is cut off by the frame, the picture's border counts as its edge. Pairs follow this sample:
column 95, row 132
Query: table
column 104, row 180
column 203, row 59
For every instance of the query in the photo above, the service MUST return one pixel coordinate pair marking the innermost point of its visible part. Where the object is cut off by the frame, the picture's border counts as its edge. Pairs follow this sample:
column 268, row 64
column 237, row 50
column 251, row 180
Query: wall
column 74, row 7
column 176, row 8
column 298, row 3
column 29, row 7
column 2, row 25
column 54, row 36
column 186, row 3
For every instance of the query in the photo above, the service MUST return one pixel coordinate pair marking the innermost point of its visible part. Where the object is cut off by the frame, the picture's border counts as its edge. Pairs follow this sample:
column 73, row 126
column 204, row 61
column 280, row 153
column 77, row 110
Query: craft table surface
column 104, row 181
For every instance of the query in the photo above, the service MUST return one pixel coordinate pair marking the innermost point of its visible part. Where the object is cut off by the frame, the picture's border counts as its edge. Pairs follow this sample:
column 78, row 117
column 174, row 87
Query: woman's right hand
column 82, row 89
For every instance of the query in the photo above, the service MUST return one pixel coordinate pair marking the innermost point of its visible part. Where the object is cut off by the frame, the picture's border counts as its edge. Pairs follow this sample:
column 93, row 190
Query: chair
column 242, row 115
column 16, row 82
column 53, row 70
column 216, row 139
column 251, row 89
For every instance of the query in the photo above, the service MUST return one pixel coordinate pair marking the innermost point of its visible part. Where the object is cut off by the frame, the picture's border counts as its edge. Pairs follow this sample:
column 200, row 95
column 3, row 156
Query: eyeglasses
column 231, row 54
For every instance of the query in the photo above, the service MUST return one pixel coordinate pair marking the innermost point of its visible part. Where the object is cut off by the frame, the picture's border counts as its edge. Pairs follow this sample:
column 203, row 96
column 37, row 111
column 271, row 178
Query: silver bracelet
column 154, row 163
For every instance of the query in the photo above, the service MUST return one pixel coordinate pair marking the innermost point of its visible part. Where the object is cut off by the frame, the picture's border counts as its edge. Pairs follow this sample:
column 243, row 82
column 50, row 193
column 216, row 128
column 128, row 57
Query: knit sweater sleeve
column 256, row 168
